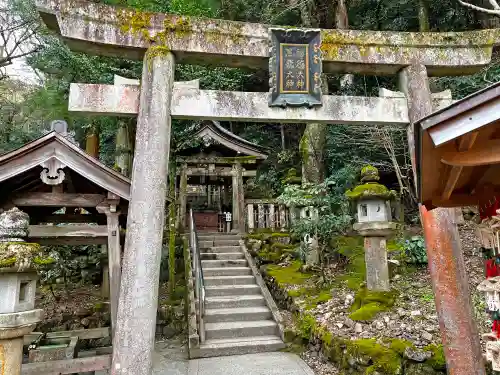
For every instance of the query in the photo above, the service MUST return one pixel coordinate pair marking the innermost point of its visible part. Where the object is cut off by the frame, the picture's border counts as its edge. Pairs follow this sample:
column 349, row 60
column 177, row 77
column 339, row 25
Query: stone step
column 227, row 330
column 218, row 237
column 221, row 249
column 229, row 280
column 238, row 346
column 223, row 263
column 231, row 242
column 238, row 314
column 231, row 290
column 226, row 271
column 222, row 256
column 230, row 302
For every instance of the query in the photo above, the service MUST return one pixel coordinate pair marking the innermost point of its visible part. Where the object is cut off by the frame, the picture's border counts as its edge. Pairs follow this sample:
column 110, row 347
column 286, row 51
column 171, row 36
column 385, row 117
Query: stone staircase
column 237, row 318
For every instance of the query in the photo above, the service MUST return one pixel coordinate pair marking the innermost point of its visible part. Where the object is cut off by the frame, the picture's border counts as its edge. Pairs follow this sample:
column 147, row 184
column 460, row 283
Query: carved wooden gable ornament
column 295, row 67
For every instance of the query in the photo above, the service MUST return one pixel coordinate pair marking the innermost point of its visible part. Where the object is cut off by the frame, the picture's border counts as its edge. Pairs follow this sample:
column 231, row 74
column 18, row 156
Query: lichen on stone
column 20, row 255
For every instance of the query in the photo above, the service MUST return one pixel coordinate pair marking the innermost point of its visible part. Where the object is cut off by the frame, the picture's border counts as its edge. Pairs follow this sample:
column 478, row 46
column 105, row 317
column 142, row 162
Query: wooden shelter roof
column 20, row 170
column 457, row 151
column 212, row 131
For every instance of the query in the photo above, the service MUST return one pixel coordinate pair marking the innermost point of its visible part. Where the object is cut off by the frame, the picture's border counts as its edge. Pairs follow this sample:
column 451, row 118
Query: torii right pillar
column 459, row 333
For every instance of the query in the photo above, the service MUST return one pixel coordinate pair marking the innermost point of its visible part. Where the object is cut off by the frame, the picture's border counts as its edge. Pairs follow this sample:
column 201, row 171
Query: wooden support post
column 250, row 217
column 282, row 213
column 262, row 217
column 238, row 199
column 183, row 198
column 105, row 273
column 114, row 259
column 272, row 218
column 451, row 290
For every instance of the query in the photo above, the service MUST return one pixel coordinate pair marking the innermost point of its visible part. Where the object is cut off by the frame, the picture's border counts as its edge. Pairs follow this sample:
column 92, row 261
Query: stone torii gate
column 162, row 40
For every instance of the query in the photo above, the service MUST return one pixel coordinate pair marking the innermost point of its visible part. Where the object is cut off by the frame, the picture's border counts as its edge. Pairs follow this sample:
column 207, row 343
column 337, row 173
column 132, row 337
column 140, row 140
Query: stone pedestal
column 133, row 343
column 377, row 268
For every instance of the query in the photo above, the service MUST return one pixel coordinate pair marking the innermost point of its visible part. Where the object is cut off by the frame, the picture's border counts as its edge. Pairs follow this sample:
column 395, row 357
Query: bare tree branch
column 495, row 11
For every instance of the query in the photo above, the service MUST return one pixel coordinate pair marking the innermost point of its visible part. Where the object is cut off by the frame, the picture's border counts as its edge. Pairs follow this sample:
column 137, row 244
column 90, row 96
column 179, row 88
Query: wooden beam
column 205, row 172
column 215, row 160
column 465, row 143
column 484, row 154
column 58, row 199
column 68, row 366
column 83, row 334
column 456, row 200
column 451, row 182
column 68, row 234
column 70, row 218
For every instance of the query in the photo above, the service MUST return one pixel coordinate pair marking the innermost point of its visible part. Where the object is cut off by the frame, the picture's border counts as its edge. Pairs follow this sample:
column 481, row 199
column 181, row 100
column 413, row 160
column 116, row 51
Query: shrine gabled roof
column 55, row 146
column 213, row 131
column 457, row 151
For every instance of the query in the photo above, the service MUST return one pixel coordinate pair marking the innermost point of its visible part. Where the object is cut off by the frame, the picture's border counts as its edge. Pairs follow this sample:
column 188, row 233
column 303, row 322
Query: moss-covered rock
column 367, row 304
column 289, row 275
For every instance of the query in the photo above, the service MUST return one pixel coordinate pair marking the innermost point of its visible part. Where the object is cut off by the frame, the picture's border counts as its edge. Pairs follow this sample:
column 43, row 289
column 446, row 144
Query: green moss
column 382, row 358
column 437, row 361
column 352, row 248
column 367, row 304
column 399, row 346
column 370, row 190
column 289, row 275
column 367, row 312
column 39, row 261
column 8, row 262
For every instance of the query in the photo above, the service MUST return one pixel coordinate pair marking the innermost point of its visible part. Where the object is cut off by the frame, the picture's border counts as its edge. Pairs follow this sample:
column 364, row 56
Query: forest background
column 336, row 151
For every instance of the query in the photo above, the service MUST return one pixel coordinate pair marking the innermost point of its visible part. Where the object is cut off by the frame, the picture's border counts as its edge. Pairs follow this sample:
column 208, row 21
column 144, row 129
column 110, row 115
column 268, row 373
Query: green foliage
column 415, row 251
column 437, row 361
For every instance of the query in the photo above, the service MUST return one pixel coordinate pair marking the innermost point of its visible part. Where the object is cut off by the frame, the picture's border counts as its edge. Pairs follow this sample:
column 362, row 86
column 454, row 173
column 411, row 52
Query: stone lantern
column 374, row 224
column 18, row 315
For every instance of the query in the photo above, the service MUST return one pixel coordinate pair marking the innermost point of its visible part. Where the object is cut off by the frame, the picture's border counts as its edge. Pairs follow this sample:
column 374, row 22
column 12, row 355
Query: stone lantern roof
column 369, row 187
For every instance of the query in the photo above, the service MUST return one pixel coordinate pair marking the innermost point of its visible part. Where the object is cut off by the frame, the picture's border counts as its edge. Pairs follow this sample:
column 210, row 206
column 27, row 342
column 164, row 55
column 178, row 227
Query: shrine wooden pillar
column 238, row 198
column 446, row 264
column 114, row 254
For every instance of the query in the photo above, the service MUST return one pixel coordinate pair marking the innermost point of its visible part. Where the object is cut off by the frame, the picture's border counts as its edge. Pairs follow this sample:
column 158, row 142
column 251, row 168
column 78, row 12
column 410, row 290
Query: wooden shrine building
column 211, row 177
column 70, row 197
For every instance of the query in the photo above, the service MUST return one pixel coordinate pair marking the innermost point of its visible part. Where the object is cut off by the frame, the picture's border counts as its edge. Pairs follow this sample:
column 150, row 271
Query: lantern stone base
column 377, row 268
column 13, row 328
column 376, row 228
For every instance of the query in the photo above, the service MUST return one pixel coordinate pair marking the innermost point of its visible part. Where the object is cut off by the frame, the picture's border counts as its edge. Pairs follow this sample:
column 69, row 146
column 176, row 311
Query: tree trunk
column 92, row 142
column 342, row 23
column 282, row 128
column 423, row 16
column 123, row 150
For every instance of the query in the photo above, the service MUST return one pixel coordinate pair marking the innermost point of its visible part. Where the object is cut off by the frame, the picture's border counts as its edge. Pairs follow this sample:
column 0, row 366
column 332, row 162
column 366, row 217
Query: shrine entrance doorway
column 211, row 177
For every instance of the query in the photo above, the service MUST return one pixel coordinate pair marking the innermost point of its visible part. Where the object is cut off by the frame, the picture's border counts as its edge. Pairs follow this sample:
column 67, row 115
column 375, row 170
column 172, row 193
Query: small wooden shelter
column 458, row 152
column 71, row 197
column 212, row 176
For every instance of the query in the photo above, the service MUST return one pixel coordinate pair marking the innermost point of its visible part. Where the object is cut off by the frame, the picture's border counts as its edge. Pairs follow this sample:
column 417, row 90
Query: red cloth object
column 489, row 210
column 496, row 328
column 491, row 268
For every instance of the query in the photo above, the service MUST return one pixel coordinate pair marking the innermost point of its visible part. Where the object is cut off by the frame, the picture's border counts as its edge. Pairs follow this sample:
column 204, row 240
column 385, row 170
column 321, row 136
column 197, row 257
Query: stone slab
column 239, row 106
column 275, row 363
column 113, row 31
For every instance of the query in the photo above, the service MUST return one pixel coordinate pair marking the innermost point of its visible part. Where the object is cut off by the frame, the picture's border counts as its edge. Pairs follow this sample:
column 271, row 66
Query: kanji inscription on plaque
column 295, row 68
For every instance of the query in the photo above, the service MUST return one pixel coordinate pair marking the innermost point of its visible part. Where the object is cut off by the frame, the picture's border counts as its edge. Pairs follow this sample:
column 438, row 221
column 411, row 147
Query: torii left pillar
column 133, row 344
column 446, row 263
